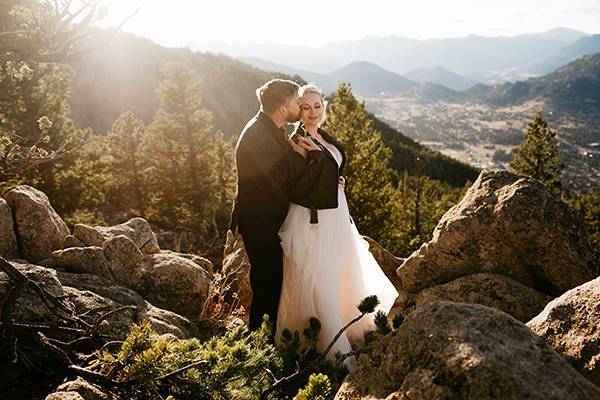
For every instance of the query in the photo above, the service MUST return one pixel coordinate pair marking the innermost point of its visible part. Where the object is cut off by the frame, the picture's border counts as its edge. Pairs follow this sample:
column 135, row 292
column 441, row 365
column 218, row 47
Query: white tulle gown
column 327, row 271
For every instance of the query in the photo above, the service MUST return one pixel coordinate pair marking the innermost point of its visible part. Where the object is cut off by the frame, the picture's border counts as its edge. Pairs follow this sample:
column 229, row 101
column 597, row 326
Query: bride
column 327, row 266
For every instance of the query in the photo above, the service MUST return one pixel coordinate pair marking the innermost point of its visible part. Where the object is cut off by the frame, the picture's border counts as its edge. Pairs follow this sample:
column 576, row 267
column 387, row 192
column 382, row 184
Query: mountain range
column 457, row 63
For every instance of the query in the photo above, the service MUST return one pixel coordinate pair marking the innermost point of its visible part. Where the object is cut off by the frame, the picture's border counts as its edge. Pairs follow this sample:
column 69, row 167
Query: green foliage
column 318, row 388
column 35, row 127
column 368, row 304
column 368, row 178
column 232, row 366
column 381, row 322
column 127, row 187
column 538, row 155
column 421, row 202
column 191, row 171
column 397, row 321
column 587, row 207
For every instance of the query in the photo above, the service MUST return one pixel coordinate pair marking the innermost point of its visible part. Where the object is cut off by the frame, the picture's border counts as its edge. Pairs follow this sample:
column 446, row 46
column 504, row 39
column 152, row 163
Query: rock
column 388, row 262
column 236, row 267
column 85, row 389
column 91, row 292
column 72, row 241
column 126, row 261
column 8, row 240
column 83, row 259
column 29, row 307
column 136, row 229
column 199, row 260
column 509, row 225
column 491, row 290
column 169, row 241
column 88, row 236
column 570, row 324
column 39, row 229
column 176, row 283
column 451, row 351
column 64, row 396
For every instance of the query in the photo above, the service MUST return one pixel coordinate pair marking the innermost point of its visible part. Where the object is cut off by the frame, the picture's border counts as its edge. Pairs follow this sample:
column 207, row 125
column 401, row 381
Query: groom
column 270, row 166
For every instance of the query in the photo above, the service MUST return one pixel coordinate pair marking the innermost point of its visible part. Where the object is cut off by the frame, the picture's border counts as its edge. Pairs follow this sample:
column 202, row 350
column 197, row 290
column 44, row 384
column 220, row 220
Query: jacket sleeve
column 304, row 173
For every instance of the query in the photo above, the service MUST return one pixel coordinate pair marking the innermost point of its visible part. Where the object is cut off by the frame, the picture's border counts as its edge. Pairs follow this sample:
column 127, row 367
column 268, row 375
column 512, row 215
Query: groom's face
column 293, row 109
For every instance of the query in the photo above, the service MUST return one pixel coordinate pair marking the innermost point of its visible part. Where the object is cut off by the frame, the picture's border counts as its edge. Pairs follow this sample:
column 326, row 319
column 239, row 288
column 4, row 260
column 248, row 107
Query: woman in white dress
column 327, row 266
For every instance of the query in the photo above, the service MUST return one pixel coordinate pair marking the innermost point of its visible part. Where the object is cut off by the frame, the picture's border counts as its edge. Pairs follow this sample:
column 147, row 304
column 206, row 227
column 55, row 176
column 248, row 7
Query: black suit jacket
column 268, row 172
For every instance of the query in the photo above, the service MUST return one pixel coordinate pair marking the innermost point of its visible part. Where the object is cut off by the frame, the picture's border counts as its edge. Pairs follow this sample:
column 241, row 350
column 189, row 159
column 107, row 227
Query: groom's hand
column 304, row 146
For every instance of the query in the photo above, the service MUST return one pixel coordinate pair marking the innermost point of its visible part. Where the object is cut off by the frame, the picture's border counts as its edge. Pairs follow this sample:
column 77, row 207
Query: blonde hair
column 314, row 89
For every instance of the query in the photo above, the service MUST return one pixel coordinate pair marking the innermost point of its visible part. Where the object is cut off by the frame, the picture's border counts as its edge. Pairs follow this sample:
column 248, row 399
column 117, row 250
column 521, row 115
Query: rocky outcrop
column 506, row 225
column 39, row 229
column 91, row 294
column 177, row 284
column 450, row 351
column 136, row 229
column 491, row 290
column 236, row 267
column 571, row 325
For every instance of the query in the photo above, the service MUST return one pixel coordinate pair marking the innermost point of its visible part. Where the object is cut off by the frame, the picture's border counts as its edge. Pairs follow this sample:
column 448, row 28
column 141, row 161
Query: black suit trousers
column 266, row 278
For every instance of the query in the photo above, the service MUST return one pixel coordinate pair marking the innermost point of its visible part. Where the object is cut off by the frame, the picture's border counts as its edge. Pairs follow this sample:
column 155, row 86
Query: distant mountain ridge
column 489, row 59
column 574, row 87
column 441, row 76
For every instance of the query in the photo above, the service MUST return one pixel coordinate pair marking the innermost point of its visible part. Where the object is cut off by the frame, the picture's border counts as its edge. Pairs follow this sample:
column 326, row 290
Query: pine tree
column 538, row 155
column 181, row 150
column 368, row 178
column 127, row 186
column 35, row 127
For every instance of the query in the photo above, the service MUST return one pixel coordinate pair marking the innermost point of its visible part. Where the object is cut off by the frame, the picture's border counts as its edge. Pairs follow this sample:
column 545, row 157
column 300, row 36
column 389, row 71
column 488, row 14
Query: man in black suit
column 269, row 168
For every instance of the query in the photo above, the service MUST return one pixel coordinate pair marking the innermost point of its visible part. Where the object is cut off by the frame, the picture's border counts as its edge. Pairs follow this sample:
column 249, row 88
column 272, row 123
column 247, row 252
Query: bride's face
column 311, row 106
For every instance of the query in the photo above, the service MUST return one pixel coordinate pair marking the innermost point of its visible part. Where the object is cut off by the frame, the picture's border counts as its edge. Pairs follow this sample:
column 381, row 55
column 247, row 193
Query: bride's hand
column 342, row 182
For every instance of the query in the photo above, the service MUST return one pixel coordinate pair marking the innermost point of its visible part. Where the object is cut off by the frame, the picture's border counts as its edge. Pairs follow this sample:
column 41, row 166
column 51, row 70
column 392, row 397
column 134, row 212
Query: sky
column 318, row 22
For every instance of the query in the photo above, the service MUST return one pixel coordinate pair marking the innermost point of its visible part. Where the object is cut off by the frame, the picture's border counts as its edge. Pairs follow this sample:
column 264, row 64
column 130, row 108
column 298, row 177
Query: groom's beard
column 291, row 118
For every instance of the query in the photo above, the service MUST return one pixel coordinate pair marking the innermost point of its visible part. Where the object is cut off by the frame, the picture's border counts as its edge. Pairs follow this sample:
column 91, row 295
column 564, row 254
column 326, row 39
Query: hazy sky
column 317, row 22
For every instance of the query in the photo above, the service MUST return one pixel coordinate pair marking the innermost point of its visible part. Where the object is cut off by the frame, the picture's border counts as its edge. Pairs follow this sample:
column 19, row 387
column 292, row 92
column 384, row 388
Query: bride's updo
column 314, row 89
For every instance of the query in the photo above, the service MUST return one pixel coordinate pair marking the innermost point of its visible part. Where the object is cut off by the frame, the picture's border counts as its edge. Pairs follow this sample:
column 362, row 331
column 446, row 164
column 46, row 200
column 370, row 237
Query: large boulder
column 509, row 243
column 509, row 225
column 176, row 283
column 39, row 229
column 491, row 290
column 29, row 306
column 570, row 324
column 448, row 350
column 126, row 261
column 91, row 292
column 136, row 229
column 8, row 240
column 89, row 260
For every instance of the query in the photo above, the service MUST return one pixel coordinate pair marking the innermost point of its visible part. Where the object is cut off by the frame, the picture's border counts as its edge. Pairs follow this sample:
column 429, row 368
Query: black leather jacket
column 324, row 193
column 268, row 172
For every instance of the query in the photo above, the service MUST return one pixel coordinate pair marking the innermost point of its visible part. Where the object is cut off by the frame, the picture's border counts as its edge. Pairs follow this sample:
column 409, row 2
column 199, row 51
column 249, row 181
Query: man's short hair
column 276, row 93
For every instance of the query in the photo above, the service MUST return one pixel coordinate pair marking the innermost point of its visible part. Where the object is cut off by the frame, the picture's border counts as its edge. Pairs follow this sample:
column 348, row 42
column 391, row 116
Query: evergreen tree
column 34, row 92
column 538, row 155
column 368, row 178
column 182, row 154
column 127, row 187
